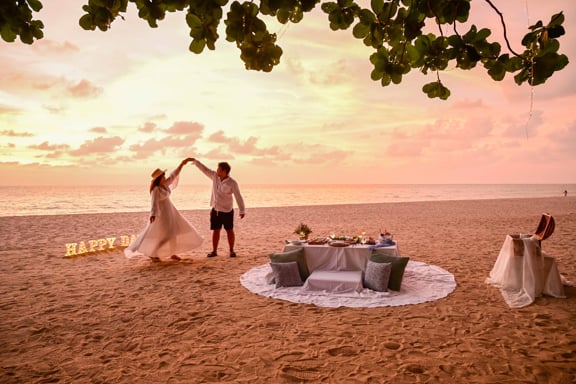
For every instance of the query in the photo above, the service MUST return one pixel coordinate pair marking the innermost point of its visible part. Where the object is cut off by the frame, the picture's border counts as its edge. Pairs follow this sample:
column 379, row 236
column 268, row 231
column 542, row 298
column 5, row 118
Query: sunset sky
column 92, row 107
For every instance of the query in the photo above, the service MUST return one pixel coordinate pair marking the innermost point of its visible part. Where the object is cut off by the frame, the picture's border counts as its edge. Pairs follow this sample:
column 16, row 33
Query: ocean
column 64, row 200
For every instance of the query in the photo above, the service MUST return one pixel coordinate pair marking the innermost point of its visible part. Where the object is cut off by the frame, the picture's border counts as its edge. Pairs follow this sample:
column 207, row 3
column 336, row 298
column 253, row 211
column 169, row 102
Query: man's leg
column 215, row 239
column 231, row 238
column 229, row 227
column 215, row 226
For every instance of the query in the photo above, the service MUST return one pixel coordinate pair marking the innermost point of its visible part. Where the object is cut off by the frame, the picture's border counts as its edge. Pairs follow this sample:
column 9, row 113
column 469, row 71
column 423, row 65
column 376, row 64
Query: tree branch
column 503, row 26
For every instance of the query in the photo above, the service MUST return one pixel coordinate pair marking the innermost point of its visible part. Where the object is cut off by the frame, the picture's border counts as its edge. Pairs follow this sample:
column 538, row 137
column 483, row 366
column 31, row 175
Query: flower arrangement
column 303, row 230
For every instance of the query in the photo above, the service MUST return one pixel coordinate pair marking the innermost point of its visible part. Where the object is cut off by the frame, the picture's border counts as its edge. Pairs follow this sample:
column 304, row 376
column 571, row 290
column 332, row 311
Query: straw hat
column 157, row 173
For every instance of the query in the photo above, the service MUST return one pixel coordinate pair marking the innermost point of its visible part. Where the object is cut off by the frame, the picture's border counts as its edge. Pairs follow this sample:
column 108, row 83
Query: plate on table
column 339, row 243
column 317, row 241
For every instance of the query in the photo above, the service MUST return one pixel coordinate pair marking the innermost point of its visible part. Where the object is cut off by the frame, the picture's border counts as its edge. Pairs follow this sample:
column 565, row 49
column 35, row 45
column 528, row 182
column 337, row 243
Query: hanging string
column 282, row 30
column 531, row 82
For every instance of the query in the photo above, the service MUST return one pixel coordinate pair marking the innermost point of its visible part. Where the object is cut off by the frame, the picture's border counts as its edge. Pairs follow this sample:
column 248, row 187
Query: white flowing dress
column 170, row 233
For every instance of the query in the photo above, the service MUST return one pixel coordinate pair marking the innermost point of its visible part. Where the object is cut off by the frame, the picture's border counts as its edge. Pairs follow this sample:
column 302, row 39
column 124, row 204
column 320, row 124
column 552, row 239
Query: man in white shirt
column 224, row 190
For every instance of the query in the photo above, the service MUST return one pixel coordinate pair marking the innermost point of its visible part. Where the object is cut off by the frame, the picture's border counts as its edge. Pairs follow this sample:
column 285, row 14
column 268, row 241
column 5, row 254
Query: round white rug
column 421, row 283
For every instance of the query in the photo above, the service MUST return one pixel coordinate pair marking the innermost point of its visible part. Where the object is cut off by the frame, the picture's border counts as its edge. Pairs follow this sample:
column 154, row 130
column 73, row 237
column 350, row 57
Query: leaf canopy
column 393, row 28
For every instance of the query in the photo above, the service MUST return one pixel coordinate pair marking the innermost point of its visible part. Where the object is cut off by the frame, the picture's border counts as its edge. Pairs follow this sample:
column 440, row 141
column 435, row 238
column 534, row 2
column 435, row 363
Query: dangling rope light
column 282, row 30
column 531, row 82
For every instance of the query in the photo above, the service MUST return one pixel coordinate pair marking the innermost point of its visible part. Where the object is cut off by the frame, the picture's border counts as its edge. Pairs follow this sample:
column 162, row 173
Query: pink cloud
column 466, row 104
column 17, row 79
column 167, row 143
column 54, row 155
column 12, row 133
column 54, row 109
column 50, row 46
column 248, row 147
column 45, row 146
column 294, row 67
column 84, row 88
column 219, row 137
column 186, row 128
column 333, row 74
column 441, row 136
column 148, row 127
column 8, row 110
column 527, row 126
column 218, row 154
column 98, row 145
column 98, row 130
column 564, row 140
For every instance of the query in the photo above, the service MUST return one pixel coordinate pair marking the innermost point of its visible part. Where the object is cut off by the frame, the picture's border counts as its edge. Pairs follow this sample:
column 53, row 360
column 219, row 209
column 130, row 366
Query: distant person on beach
column 565, row 193
column 167, row 232
column 224, row 190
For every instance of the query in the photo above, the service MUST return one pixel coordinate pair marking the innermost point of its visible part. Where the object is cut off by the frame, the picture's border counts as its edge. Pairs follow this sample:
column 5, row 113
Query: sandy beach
column 101, row 318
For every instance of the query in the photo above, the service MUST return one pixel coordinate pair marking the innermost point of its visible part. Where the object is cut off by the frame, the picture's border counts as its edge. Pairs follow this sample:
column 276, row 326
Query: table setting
column 337, row 252
column 345, row 270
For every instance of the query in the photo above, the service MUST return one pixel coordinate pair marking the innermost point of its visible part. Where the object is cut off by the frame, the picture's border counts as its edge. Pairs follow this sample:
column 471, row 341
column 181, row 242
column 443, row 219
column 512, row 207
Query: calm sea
column 57, row 200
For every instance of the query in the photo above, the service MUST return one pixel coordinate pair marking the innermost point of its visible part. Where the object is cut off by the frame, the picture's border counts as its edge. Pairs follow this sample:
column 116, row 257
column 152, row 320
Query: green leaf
column 360, row 30
column 86, row 23
column 283, row 15
column 197, row 45
column 556, row 20
column 396, row 77
column 522, row 76
column 366, row 17
column 193, row 20
column 436, row 89
column 377, row 6
column 7, row 33
column 329, row 7
column 483, row 34
column 538, row 25
column 35, row 5
column 556, row 31
column 497, row 71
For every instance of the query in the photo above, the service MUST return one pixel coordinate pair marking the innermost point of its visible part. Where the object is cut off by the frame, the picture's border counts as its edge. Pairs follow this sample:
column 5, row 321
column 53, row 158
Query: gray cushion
column 385, row 251
column 286, row 274
column 377, row 276
column 398, row 266
column 296, row 255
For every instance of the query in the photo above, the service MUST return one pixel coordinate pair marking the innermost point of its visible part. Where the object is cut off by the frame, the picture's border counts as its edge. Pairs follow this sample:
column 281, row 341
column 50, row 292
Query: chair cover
column 523, row 272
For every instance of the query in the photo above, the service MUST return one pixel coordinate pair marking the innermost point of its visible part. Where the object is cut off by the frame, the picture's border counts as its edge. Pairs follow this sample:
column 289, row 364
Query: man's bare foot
column 155, row 259
column 175, row 257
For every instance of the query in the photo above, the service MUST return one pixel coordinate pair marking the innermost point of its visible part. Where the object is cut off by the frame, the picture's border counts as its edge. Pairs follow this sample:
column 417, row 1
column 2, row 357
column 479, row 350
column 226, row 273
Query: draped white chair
column 522, row 271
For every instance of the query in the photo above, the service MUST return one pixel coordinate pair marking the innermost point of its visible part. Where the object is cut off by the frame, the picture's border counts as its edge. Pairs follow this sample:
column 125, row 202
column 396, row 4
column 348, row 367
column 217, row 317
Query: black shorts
column 221, row 219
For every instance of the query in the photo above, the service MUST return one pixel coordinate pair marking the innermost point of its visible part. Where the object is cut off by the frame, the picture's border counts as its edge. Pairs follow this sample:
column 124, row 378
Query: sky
column 106, row 108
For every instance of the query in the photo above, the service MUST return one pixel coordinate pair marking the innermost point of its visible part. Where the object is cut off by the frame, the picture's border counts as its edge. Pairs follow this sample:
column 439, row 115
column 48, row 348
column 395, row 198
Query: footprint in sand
column 542, row 320
column 299, row 374
column 343, row 351
column 414, row 368
column 391, row 345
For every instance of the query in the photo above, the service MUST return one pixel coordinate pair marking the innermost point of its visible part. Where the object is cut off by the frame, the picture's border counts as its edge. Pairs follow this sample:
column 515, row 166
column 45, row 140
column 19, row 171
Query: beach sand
column 101, row 318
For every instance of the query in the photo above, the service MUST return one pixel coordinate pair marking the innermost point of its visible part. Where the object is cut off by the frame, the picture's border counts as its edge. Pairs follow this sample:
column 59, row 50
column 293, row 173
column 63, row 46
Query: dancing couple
column 168, row 233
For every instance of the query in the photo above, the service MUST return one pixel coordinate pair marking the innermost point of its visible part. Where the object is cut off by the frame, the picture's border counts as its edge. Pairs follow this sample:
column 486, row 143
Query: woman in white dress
column 167, row 232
